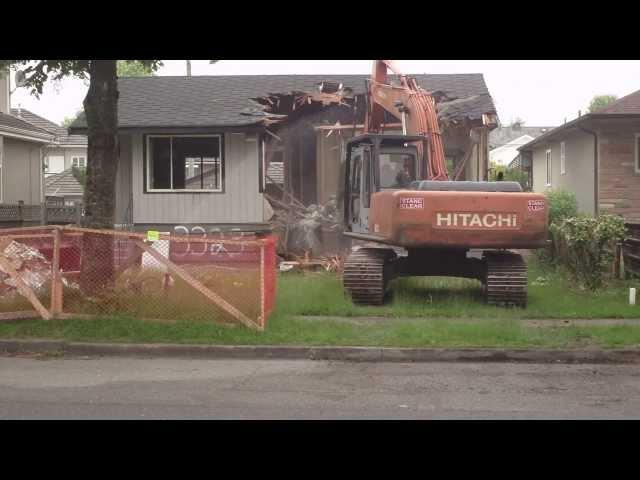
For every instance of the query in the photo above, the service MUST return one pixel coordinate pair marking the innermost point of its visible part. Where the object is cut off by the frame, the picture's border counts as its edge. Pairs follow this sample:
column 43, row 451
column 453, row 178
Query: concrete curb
column 353, row 354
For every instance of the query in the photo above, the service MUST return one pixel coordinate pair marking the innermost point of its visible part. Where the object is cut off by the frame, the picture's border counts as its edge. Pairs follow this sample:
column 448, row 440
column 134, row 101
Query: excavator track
column 505, row 281
column 367, row 273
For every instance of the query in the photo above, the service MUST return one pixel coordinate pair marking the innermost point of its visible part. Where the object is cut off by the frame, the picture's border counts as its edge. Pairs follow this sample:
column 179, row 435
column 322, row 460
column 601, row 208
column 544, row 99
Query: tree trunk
column 101, row 110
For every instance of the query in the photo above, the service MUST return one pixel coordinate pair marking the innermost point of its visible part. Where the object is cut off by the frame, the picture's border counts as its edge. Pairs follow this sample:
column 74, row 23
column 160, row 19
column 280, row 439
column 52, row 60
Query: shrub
column 586, row 246
column 562, row 204
column 509, row 175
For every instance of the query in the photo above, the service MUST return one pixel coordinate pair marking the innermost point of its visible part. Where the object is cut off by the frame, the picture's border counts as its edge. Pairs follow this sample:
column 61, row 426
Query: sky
column 540, row 92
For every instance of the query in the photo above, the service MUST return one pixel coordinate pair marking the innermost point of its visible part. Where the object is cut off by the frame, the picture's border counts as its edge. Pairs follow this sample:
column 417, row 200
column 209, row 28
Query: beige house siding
column 240, row 203
column 579, row 168
column 21, row 172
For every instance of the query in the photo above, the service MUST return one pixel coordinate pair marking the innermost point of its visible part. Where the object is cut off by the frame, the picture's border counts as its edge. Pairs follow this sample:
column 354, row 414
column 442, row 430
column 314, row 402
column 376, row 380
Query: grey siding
column 21, row 172
column 123, row 213
column 579, row 176
column 240, row 203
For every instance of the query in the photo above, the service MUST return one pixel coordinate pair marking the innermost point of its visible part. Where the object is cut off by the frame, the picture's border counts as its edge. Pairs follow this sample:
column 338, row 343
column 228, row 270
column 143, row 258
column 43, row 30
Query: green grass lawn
column 425, row 309
column 556, row 297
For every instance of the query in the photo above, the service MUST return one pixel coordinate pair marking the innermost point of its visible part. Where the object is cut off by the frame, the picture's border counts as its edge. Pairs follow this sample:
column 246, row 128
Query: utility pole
column 188, row 68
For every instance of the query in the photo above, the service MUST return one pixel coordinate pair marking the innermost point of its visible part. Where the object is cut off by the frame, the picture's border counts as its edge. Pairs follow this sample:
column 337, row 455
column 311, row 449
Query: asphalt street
column 129, row 388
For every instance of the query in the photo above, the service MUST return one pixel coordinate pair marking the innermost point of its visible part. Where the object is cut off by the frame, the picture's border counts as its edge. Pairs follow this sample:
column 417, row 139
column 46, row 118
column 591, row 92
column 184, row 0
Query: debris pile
column 301, row 227
column 32, row 267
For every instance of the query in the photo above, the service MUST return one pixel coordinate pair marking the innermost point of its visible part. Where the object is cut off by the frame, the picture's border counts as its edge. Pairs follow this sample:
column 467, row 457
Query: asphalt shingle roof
column 63, row 184
column 627, row 104
column 14, row 122
column 62, row 136
column 504, row 135
column 204, row 101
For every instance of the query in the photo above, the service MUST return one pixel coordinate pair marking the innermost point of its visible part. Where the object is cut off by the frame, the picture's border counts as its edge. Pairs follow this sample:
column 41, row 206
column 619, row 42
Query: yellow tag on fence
column 153, row 235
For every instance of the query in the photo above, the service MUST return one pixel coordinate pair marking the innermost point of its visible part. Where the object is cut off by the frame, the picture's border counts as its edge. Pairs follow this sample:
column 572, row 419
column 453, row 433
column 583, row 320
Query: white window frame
column 148, row 188
column 563, row 159
column 78, row 158
column 637, row 155
column 549, row 167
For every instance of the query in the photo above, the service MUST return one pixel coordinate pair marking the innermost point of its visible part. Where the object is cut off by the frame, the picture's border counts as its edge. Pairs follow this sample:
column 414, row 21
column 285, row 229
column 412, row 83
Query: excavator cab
column 374, row 163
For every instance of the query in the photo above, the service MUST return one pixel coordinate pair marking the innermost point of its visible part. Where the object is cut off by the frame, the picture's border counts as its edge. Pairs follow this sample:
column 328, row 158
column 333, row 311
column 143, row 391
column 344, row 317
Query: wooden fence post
column 43, row 213
column 21, row 211
column 262, row 319
column 78, row 212
column 56, row 279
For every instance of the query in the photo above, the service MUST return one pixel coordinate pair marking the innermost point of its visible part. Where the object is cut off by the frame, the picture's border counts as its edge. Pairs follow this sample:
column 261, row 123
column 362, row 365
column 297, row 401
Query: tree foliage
column 137, row 68
column 562, row 204
column 600, row 101
column 69, row 120
column 502, row 172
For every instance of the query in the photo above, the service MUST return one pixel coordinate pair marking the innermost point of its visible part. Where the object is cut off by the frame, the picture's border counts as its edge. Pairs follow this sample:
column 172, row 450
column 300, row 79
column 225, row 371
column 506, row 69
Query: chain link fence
column 74, row 272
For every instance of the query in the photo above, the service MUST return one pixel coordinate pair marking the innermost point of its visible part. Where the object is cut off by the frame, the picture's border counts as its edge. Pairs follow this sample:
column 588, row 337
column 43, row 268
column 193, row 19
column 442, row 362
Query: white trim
column 548, row 160
column 563, row 158
column 79, row 157
column 182, row 190
column 637, row 155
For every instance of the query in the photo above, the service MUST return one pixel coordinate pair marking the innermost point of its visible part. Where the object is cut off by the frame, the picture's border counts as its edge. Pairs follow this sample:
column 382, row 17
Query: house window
column 563, row 169
column 548, row 168
column 184, row 163
column 78, row 162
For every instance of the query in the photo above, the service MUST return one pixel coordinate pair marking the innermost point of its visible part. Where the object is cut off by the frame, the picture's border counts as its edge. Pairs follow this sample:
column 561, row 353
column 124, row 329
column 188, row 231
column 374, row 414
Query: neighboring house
column 64, row 186
column 194, row 152
column 504, row 142
column 65, row 151
column 596, row 156
column 22, row 147
column 506, row 154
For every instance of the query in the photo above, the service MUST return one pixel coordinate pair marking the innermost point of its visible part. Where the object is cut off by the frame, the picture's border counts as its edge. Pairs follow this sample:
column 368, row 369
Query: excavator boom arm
column 414, row 106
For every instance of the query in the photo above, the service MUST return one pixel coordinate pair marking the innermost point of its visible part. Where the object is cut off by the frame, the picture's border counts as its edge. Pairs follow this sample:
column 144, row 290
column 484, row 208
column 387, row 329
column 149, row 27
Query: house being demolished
column 247, row 153
column 307, row 131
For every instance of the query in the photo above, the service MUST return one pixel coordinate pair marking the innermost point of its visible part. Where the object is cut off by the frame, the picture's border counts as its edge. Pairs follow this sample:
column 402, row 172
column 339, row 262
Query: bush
column 586, row 246
column 562, row 204
column 509, row 175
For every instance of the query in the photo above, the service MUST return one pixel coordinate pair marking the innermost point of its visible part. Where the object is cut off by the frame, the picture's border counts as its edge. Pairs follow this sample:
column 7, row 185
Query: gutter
column 25, row 134
column 595, row 168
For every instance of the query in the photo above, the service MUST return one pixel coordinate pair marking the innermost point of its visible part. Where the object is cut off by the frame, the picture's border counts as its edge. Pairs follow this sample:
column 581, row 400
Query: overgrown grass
column 293, row 331
column 551, row 295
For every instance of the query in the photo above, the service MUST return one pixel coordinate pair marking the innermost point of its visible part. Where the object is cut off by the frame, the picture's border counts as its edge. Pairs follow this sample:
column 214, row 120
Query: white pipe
column 632, row 296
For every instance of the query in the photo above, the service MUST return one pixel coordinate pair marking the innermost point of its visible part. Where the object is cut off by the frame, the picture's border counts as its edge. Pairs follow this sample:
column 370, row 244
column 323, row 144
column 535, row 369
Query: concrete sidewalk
column 346, row 353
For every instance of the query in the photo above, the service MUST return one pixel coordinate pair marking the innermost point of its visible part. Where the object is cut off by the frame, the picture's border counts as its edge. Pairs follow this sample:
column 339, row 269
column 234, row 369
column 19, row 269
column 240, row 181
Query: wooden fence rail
column 55, row 234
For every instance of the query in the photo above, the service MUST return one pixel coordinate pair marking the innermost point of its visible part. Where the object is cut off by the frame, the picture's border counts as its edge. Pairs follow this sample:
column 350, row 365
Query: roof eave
column 576, row 122
column 25, row 134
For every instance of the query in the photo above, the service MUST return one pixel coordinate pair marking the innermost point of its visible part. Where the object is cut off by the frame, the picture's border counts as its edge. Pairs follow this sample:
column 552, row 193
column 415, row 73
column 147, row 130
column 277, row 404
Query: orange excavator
column 399, row 198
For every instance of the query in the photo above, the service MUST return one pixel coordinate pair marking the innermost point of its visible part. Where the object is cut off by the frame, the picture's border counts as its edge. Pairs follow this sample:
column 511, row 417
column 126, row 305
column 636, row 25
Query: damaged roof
column 218, row 101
